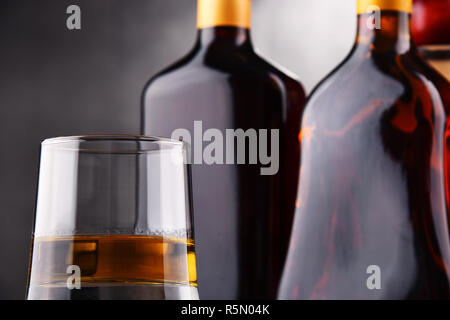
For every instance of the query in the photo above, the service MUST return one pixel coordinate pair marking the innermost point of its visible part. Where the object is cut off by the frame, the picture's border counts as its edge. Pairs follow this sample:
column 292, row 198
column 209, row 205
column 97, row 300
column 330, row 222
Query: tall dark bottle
column 373, row 203
column 243, row 216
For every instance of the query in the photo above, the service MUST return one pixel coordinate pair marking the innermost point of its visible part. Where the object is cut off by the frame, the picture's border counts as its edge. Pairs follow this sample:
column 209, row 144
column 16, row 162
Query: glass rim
column 64, row 142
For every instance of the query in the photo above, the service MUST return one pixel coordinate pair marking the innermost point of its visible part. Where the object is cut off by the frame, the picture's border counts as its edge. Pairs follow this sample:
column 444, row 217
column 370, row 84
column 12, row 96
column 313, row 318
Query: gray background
column 58, row 82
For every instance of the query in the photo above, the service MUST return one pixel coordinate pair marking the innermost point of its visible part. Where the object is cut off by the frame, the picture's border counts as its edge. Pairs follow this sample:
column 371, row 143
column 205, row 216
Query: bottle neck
column 224, row 21
column 384, row 25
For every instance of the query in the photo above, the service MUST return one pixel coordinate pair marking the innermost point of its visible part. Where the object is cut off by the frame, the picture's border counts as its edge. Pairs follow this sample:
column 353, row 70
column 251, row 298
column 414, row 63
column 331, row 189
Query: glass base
column 115, row 292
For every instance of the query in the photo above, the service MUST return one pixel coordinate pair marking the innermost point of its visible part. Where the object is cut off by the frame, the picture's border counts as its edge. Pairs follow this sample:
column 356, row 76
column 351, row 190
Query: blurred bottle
column 431, row 31
column 372, row 219
column 243, row 218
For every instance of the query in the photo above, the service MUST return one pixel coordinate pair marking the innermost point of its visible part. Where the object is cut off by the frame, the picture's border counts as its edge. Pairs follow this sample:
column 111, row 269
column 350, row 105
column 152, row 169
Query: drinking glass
column 113, row 220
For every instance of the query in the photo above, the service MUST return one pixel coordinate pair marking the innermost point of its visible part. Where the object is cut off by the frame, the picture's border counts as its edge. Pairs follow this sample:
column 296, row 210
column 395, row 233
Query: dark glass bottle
column 242, row 218
column 372, row 219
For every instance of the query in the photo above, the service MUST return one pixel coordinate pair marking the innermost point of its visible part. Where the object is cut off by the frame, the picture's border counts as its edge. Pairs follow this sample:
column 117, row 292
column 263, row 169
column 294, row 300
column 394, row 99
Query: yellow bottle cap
column 213, row 13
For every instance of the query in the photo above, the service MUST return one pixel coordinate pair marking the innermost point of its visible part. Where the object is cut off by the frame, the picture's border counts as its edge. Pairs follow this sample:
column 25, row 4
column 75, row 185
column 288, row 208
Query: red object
column 431, row 22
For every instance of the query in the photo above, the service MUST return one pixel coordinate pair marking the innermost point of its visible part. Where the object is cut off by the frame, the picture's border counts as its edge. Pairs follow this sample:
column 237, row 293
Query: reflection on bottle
column 106, row 262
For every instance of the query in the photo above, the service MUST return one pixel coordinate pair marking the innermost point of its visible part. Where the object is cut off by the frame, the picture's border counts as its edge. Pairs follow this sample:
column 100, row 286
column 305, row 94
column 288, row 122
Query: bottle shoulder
column 364, row 77
column 173, row 69
column 281, row 74
column 433, row 79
